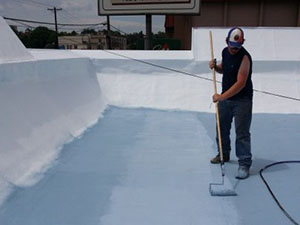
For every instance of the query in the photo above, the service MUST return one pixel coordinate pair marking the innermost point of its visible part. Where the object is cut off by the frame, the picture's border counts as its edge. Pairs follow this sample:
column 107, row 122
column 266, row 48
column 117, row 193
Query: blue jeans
column 241, row 111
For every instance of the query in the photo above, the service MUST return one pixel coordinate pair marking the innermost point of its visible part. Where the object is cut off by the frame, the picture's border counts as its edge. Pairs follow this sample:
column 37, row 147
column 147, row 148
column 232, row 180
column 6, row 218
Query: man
column 235, row 101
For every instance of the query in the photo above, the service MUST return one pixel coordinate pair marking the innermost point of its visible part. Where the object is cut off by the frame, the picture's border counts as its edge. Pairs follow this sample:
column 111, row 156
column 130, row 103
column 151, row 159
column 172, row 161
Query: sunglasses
column 235, row 48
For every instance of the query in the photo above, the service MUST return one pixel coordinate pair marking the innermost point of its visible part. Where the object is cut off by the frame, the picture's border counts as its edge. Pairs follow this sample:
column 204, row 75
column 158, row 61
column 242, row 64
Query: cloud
column 132, row 24
column 76, row 4
column 74, row 11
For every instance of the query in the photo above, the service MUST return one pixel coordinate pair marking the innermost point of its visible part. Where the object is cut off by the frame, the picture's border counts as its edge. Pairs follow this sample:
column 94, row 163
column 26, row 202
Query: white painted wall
column 263, row 43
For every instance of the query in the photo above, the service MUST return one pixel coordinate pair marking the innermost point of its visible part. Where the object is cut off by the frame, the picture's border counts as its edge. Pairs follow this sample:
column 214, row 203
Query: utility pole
column 148, row 37
column 55, row 19
column 108, row 37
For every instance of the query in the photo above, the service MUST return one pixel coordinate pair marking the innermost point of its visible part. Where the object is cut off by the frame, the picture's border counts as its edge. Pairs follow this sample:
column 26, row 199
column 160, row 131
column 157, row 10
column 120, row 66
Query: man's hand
column 217, row 98
column 212, row 63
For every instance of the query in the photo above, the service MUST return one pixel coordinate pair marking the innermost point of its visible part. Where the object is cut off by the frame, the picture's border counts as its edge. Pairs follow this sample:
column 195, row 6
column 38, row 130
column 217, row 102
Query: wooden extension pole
column 216, row 104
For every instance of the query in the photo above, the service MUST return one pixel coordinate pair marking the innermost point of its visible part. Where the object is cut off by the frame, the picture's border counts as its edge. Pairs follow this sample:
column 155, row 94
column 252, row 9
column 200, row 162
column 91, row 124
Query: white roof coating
column 125, row 137
column 11, row 48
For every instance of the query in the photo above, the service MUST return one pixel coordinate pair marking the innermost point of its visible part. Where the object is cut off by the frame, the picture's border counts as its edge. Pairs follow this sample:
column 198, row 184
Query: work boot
column 217, row 159
column 243, row 173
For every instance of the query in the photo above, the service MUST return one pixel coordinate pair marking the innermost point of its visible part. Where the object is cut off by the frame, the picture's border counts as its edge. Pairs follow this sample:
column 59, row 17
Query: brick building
column 229, row 13
column 92, row 41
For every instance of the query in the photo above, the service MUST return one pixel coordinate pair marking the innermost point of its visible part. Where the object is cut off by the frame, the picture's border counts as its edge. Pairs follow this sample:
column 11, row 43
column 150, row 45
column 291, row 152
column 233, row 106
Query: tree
column 14, row 28
column 73, row 33
column 133, row 38
column 24, row 37
column 41, row 37
column 88, row 31
column 160, row 35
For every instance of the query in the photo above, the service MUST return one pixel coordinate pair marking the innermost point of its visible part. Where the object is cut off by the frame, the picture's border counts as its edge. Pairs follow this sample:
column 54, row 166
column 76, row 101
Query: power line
column 24, row 25
column 48, row 23
column 89, row 25
column 62, row 25
column 61, row 28
column 118, row 29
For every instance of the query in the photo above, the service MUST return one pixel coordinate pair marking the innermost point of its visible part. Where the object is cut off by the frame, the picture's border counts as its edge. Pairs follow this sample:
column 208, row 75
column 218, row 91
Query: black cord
column 270, row 190
column 197, row 76
column 159, row 66
column 264, row 92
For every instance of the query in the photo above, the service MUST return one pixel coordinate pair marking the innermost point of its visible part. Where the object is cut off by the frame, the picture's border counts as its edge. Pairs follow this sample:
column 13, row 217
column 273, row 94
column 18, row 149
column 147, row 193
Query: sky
column 73, row 12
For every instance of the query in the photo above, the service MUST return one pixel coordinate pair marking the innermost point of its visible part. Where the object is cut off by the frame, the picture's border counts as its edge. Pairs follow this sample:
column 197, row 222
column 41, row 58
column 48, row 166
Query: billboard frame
column 106, row 8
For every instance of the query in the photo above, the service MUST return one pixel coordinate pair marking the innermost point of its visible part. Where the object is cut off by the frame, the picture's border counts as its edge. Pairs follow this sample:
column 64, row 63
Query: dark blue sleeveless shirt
column 231, row 64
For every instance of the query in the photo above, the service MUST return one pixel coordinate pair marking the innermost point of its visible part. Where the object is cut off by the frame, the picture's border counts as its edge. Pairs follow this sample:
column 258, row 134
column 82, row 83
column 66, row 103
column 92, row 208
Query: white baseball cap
column 235, row 37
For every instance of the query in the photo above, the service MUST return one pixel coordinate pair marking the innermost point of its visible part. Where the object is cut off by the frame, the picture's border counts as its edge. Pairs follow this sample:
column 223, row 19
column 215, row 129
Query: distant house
column 229, row 13
column 92, row 41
